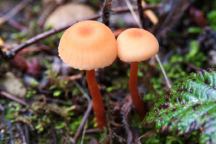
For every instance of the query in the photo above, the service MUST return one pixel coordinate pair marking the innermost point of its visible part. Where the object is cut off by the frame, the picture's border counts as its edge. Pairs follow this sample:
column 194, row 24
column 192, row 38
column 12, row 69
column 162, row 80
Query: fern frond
column 192, row 108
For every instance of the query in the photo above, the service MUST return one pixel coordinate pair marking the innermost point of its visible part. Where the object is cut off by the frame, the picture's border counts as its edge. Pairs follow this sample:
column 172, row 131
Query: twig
column 44, row 35
column 73, row 77
column 39, row 37
column 14, row 11
column 1, row 107
column 147, row 134
column 14, row 98
column 172, row 17
column 106, row 12
column 16, row 25
column 193, row 67
column 83, row 133
column 168, row 83
column 22, row 135
column 11, row 135
column 133, row 13
column 86, row 115
column 26, row 131
column 83, row 91
column 125, row 110
column 167, row 80
column 95, row 130
column 83, row 122
column 140, row 11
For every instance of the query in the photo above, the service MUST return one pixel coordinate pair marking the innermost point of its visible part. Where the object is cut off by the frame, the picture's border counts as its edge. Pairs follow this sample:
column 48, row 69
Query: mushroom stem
column 97, row 100
column 137, row 101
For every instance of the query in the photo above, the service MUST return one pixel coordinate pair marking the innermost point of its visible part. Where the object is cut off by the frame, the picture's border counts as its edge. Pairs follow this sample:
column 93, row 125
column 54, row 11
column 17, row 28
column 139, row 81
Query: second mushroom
column 136, row 45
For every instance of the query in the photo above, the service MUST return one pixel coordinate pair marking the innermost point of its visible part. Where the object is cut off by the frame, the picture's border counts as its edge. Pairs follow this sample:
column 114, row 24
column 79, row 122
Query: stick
column 125, row 110
column 44, row 35
column 14, row 98
column 83, row 122
column 171, row 16
column 14, row 11
column 140, row 11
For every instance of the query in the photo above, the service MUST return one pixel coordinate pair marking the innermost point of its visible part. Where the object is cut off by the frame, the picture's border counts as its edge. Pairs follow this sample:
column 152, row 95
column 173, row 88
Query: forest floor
column 44, row 101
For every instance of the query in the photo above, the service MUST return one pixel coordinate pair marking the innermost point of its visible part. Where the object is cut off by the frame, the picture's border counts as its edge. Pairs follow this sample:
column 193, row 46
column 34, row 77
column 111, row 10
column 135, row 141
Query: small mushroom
column 89, row 45
column 136, row 45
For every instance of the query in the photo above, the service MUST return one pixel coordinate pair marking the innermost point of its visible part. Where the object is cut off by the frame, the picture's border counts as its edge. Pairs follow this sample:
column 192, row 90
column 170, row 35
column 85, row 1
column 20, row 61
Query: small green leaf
column 194, row 30
column 212, row 19
column 60, row 125
column 57, row 93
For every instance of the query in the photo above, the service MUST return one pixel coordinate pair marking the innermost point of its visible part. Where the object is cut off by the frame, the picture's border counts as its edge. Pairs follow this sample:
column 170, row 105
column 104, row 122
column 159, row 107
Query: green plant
column 192, row 107
column 211, row 19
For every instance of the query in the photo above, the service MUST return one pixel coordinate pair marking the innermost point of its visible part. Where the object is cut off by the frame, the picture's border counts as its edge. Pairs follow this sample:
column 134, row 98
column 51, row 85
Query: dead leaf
column 67, row 14
column 13, row 85
column 34, row 67
column 20, row 62
column 54, row 108
column 198, row 16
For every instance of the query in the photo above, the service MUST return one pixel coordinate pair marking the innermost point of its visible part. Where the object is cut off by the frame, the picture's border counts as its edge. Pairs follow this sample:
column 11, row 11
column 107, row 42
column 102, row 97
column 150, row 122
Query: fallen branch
column 14, row 98
column 11, row 53
column 125, row 110
column 83, row 122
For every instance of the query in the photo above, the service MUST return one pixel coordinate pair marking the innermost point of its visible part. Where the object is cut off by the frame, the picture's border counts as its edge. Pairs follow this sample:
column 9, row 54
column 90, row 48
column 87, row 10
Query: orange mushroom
column 136, row 45
column 88, row 45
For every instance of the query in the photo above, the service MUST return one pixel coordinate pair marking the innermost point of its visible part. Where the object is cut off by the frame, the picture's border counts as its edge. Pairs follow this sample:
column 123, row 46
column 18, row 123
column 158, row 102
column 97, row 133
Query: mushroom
column 89, row 45
column 136, row 45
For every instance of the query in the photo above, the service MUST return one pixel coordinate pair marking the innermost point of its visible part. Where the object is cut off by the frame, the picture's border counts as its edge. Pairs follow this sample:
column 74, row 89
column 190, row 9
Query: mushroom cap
column 88, row 45
column 135, row 45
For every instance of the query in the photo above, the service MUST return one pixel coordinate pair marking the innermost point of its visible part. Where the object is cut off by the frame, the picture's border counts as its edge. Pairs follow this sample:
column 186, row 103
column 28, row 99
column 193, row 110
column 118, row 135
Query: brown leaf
column 198, row 17
column 67, row 14
column 34, row 66
column 20, row 62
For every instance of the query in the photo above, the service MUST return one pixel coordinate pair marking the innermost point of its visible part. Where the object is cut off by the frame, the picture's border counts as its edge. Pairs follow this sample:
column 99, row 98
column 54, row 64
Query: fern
column 192, row 107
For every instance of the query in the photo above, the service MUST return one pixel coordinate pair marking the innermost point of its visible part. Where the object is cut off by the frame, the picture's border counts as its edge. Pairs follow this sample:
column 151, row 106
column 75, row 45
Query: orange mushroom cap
column 88, row 45
column 135, row 45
